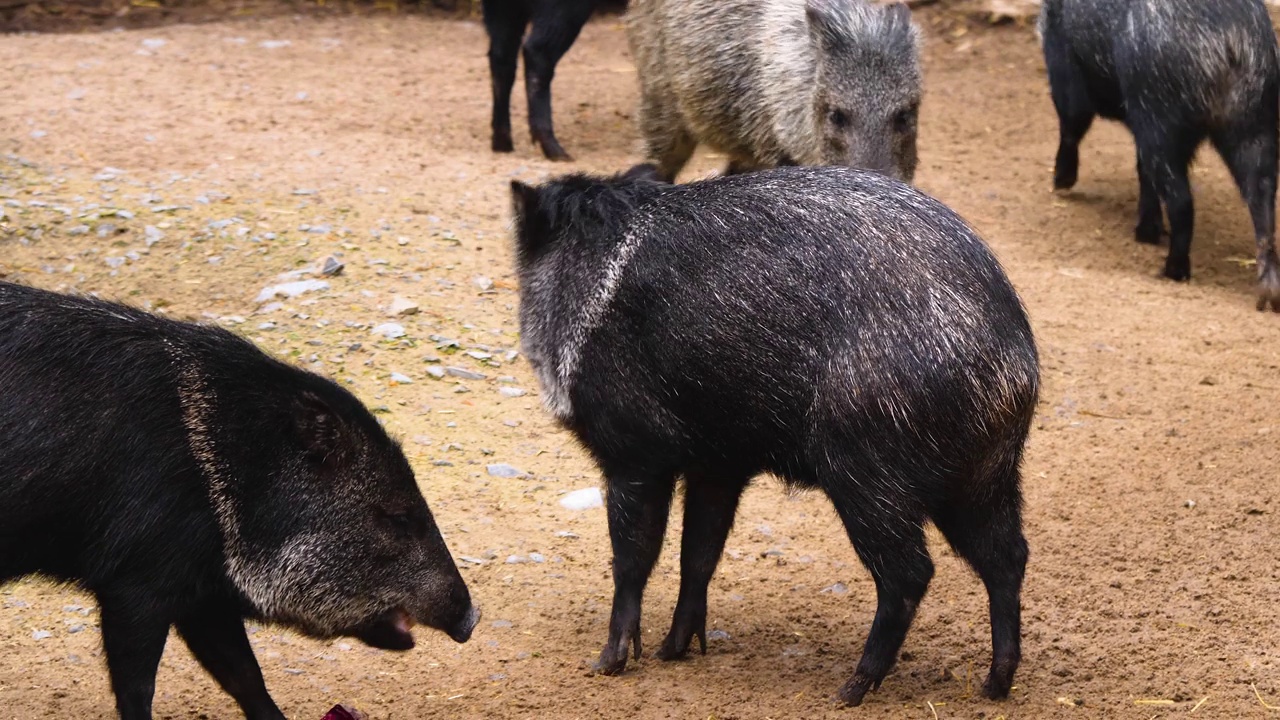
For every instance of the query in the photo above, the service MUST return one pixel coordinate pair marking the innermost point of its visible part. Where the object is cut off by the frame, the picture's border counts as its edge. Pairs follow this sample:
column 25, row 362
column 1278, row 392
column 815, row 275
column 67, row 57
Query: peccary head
column 323, row 526
column 868, row 89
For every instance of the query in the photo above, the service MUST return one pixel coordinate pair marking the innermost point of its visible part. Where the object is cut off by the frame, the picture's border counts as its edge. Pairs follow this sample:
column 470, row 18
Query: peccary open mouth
column 389, row 631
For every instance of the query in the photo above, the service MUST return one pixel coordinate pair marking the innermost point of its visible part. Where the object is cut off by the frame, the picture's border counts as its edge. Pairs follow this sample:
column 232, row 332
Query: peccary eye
column 400, row 523
column 838, row 118
column 904, row 120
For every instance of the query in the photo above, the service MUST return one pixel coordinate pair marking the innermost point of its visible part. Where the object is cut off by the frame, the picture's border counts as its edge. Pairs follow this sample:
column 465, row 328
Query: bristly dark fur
column 833, row 327
column 1175, row 72
column 556, row 24
column 188, row 480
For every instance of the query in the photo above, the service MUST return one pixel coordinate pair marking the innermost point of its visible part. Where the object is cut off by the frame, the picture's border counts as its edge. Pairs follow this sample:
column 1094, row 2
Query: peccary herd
column 810, row 315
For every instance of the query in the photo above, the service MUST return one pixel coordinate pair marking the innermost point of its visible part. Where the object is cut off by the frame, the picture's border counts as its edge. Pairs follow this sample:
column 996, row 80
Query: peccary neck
column 567, row 284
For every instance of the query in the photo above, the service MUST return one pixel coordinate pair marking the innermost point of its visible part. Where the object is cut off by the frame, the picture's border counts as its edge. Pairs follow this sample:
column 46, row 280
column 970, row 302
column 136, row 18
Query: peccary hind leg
column 891, row 545
column 133, row 636
column 638, row 505
column 216, row 636
column 1253, row 165
column 552, row 35
column 989, row 537
column 1165, row 154
column 710, row 504
column 1075, row 112
column 505, row 23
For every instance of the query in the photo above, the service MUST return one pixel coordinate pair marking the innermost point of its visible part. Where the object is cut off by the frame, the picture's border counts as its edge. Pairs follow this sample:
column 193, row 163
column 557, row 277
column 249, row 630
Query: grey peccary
column 555, row 25
column 187, row 479
column 831, row 326
column 1175, row 72
column 778, row 82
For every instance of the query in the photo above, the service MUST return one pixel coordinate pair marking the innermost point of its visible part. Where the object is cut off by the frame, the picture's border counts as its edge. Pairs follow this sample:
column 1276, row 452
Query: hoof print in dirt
column 643, row 311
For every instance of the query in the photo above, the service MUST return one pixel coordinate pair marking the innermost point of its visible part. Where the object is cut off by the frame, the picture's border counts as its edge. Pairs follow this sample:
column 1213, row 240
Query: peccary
column 831, row 326
column 1174, row 72
column 186, row 479
column 778, row 82
column 556, row 24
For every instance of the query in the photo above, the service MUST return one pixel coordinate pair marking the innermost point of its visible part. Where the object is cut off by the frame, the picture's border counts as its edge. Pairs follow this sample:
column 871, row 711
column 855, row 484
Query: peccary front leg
column 638, row 505
column 552, row 35
column 891, row 545
column 505, row 22
column 1253, row 164
column 134, row 632
column 989, row 537
column 668, row 143
column 216, row 636
column 710, row 504
column 1075, row 111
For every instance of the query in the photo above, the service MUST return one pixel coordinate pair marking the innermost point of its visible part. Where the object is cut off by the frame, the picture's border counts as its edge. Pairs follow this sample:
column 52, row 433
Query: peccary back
column 186, row 479
column 830, row 326
column 778, row 82
column 1176, row 72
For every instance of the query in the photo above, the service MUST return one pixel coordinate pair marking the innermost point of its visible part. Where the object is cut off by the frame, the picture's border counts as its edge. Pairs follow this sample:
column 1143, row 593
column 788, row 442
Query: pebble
column 291, row 289
column 402, row 306
column 772, row 552
column 503, row 470
column 483, row 282
column 78, row 230
column 717, row 635
column 836, row 589
column 435, row 371
column 275, row 45
column 472, row 560
column 516, row 560
column 511, row 423
column 464, row 373
column 401, row 378
column 41, row 634
column 442, row 463
column 500, row 623
column 332, row 267
column 478, row 355
column 583, row 499
column 512, row 392
column 537, row 557
column 390, row 331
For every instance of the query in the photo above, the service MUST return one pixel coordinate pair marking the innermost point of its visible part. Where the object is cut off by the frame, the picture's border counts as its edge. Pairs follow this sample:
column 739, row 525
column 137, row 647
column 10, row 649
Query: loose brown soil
column 1153, row 504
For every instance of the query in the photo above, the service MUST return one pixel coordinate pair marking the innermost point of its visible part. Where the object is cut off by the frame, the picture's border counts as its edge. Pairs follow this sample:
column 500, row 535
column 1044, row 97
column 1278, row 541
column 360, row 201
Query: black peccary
column 187, row 479
column 1176, row 72
column 556, row 24
column 831, row 326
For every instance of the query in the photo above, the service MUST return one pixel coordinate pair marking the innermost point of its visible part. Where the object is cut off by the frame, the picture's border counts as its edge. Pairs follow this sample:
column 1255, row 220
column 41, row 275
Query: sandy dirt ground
column 186, row 168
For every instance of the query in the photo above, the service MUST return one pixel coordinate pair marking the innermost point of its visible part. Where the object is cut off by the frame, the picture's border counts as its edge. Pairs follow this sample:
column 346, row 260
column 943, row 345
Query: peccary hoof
column 1064, row 179
column 1177, row 268
column 856, row 689
column 1269, row 286
column 998, row 683
column 502, row 142
column 612, row 661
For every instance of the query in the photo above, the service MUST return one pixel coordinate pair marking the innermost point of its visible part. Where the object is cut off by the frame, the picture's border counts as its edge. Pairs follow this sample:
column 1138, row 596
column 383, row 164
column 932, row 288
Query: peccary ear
column 818, row 14
column 320, row 429
column 524, row 200
column 532, row 223
column 899, row 13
